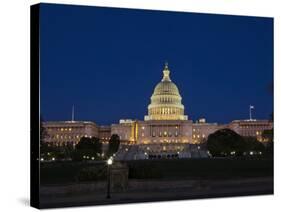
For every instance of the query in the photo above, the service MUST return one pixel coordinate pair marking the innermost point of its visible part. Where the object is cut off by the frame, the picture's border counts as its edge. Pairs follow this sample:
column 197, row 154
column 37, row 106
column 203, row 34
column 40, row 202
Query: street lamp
column 109, row 163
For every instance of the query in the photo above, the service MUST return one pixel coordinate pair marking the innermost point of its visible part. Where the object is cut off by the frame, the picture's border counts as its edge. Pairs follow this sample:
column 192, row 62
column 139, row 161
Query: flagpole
column 250, row 112
column 72, row 113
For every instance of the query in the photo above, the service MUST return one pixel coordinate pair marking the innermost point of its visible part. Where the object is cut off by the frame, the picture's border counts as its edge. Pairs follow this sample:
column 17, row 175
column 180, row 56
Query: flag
column 252, row 107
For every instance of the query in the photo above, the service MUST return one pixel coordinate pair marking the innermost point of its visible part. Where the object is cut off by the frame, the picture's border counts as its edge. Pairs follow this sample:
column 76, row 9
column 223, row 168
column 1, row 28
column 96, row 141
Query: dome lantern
column 166, row 73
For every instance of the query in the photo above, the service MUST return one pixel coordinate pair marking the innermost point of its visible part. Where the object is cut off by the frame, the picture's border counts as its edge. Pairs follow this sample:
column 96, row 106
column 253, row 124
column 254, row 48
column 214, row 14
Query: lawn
column 67, row 172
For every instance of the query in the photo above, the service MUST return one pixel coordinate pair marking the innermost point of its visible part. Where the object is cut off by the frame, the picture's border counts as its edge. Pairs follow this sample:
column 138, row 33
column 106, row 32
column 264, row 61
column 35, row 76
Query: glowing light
column 110, row 161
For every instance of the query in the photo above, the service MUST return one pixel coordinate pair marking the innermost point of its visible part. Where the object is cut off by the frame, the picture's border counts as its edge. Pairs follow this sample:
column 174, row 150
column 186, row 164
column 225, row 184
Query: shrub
column 92, row 174
column 144, row 171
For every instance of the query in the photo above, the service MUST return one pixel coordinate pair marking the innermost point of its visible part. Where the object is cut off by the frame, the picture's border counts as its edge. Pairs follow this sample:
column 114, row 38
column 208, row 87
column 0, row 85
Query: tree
column 87, row 149
column 267, row 136
column 252, row 144
column 225, row 142
column 113, row 145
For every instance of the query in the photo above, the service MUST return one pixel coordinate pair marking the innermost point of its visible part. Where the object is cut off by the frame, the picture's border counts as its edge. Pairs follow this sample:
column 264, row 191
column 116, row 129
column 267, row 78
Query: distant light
column 251, row 153
column 198, row 147
column 178, row 152
column 53, row 158
column 93, row 158
column 42, row 159
column 109, row 161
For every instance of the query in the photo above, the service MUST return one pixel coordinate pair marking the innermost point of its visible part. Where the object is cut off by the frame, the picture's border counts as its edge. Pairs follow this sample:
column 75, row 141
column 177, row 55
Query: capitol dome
column 166, row 100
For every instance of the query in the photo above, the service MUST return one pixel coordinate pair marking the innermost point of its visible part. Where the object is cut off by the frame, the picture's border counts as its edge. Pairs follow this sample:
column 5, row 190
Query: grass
column 66, row 172
column 210, row 168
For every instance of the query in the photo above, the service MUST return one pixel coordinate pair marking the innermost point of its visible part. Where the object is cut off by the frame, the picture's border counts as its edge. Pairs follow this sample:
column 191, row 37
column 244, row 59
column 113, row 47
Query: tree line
column 227, row 143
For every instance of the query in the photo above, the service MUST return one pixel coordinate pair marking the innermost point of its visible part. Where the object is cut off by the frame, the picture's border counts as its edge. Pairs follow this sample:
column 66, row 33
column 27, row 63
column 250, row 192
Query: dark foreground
column 171, row 180
column 145, row 191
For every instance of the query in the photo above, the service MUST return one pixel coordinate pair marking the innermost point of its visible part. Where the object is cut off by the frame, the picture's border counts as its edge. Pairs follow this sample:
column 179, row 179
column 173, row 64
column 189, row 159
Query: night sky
column 107, row 62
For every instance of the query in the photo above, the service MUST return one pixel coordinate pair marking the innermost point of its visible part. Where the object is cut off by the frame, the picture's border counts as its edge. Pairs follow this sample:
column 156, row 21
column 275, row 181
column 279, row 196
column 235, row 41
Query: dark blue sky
column 107, row 62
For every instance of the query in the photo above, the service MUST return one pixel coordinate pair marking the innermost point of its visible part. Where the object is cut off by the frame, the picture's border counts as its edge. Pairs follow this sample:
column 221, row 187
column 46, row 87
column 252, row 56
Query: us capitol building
column 165, row 132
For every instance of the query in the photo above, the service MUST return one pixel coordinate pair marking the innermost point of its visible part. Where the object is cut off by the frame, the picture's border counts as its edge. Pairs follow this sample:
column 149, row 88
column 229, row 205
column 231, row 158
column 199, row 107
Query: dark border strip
column 34, row 106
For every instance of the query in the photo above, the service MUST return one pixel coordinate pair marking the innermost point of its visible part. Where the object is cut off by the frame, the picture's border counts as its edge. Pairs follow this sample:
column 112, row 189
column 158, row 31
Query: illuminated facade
column 166, row 100
column 62, row 133
column 165, row 130
column 252, row 128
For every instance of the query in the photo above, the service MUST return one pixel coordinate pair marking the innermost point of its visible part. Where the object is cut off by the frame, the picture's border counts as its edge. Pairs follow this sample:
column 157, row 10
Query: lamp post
column 109, row 163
